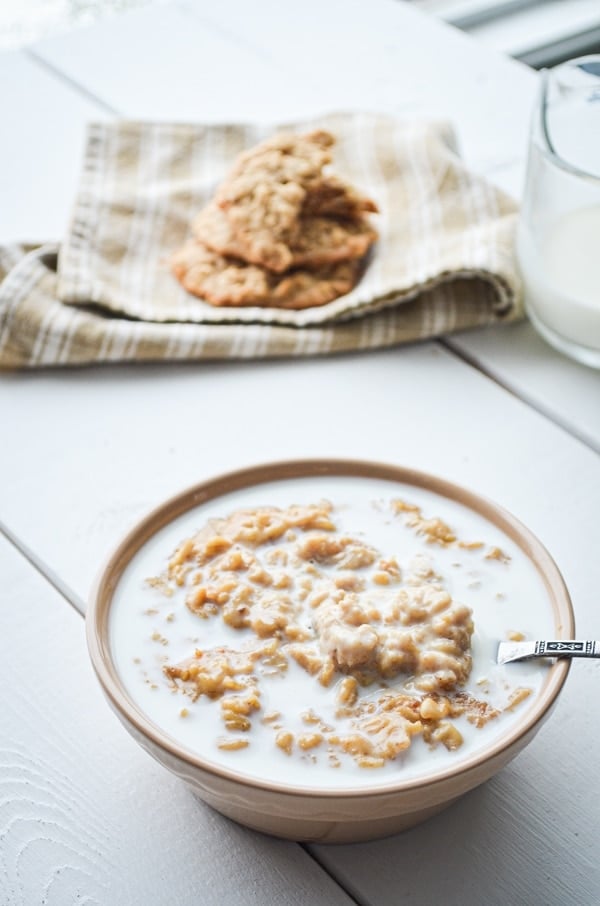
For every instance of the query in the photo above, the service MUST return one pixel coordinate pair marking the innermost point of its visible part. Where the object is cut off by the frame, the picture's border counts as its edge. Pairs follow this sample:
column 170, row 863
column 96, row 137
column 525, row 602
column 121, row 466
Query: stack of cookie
column 281, row 231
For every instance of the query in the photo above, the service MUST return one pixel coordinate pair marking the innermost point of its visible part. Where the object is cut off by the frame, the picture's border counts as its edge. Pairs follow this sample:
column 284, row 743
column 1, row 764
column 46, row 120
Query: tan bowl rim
column 175, row 506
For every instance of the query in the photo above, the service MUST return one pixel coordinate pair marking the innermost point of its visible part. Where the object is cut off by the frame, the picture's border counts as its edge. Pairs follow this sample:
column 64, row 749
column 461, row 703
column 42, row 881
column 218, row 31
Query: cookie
column 324, row 240
column 317, row 240
column 286, row 155
column 332, row 197
column 264, row 193
column 280, row 232
column 223, row 281
column 308, row 289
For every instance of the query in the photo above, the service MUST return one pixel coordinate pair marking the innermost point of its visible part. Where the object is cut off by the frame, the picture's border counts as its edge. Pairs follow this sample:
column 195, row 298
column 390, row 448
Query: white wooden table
column 85, row 815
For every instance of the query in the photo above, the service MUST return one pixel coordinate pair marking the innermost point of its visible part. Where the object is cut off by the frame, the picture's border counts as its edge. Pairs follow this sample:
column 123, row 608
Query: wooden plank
column 191, row 70
column 520, row 360
column 389, row 56
column 100, row 448
column 170, row 426
column 506, row 831
column 40, row 152
column 515, row 356
column 229, row 60
column 530, row 835
column 85, row 814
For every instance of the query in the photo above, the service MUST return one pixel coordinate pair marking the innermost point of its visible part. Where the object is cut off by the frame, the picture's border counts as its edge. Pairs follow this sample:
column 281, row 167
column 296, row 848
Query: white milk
column 503, row 597
column 561, row 273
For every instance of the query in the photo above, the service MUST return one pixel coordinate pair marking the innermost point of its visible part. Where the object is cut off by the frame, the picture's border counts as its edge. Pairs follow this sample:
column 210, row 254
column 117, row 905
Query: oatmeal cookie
column 264, row 193
column 319, row 240
column 223, row 281
column 331, row 197
column 286, row 155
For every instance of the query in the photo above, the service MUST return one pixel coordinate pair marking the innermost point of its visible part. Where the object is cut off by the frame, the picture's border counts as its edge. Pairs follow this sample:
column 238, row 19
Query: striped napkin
column 443, row 262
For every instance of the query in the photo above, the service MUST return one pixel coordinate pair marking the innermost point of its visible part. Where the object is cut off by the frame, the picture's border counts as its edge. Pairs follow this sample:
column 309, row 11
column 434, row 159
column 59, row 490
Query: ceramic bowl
column 361, row 810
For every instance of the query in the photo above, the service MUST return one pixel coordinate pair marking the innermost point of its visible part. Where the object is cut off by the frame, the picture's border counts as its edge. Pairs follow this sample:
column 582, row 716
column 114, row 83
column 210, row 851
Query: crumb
column 496, row 553
column 514, row 636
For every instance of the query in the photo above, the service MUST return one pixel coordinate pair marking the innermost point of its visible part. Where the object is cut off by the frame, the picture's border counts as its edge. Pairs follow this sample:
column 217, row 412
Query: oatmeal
column 325, row 637
column 296, row 588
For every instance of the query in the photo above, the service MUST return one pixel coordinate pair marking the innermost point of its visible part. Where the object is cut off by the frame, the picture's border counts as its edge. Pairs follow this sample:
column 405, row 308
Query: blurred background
column 25, row 21
column 538, row 32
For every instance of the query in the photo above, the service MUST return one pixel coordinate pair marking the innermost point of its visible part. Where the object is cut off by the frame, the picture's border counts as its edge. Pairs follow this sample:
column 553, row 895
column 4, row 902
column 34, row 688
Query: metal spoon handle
column 519, row 651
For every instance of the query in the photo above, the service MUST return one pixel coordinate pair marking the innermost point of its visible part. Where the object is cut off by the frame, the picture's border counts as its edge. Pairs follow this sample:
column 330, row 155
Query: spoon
column 520, row 651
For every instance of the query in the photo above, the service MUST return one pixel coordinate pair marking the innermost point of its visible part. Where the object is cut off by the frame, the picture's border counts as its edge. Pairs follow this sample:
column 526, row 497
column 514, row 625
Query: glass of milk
column 558, row 239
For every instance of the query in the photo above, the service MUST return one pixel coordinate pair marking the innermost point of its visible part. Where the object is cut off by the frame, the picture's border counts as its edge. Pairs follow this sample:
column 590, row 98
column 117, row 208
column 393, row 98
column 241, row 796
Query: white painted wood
column 99, row 448
column 85, row 815
column 191, row 69
column 43, row 121
column 231, row 59
column 389, row 56
column 529, row 836
column 510, row 175
column 140, row 434
column 520, row 360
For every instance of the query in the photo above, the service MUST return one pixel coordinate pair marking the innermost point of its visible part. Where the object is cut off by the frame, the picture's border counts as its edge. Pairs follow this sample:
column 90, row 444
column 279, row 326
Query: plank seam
column 71, row 597
column 224, row 32
column 572, row 430
column 67, row 80
column 349, row 891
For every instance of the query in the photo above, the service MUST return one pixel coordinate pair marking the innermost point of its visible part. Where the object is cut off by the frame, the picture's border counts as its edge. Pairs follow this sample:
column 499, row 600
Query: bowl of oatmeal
column 311, row 645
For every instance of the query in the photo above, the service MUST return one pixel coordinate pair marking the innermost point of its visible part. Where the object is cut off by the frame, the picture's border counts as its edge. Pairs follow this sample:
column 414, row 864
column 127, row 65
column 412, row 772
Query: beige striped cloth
column 444, row 260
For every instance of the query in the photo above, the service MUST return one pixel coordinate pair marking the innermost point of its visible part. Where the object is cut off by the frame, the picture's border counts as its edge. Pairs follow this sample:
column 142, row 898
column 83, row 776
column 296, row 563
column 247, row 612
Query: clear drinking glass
column 558, row 238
